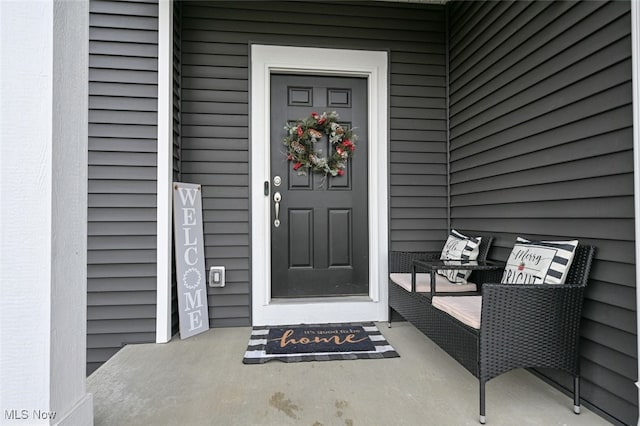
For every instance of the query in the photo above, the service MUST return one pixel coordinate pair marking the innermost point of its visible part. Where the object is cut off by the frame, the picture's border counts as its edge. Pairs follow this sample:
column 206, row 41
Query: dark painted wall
column 177, row 148
column 215, row 102
column 121, row 285
column 541, row 146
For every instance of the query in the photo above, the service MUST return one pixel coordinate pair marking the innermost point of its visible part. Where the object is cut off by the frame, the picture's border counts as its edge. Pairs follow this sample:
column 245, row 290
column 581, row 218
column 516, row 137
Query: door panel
column 340, row 229
column 300, row 238
column 321, row 247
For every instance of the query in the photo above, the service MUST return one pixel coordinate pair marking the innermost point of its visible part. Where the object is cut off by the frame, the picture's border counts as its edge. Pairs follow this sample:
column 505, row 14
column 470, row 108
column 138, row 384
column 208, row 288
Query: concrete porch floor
column 202, row 381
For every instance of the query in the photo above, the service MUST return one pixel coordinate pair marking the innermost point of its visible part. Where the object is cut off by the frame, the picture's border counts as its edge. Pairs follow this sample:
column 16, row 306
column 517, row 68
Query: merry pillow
column 539, row 262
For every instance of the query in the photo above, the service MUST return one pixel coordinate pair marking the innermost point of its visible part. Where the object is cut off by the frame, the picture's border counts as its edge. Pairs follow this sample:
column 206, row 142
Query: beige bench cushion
column 423, row 283
column 466, row 309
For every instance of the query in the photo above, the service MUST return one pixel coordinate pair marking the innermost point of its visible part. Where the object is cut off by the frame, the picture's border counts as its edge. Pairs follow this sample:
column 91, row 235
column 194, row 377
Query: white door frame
column 373, row 66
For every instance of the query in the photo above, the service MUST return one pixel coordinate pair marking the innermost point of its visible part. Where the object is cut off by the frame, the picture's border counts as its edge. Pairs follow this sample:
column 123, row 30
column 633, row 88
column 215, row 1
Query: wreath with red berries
column 302, row 136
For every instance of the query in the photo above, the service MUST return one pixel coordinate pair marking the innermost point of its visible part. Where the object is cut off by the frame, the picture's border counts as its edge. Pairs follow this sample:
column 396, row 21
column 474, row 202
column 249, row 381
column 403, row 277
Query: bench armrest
column 528, row 325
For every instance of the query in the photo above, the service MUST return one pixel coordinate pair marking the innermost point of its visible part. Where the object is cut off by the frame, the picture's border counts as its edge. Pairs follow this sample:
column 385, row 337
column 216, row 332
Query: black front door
column 321, row 246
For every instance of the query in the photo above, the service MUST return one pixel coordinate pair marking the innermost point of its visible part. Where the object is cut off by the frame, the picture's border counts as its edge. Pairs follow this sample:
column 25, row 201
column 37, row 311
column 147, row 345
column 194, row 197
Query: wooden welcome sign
column 190, row 272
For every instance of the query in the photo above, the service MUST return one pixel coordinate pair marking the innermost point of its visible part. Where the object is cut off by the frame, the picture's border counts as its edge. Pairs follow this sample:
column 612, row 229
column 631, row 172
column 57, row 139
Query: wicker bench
column 522, row 326
column 414, row 306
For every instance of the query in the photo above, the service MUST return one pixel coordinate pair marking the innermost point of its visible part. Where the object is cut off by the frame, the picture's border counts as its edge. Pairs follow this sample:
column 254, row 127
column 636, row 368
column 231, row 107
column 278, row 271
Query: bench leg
column 483, row 419
column 576, row 394
column 390, row 311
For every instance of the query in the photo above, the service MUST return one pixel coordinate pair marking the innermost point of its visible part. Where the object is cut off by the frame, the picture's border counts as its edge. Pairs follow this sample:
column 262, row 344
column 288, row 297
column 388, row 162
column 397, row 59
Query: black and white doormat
column 321, row 342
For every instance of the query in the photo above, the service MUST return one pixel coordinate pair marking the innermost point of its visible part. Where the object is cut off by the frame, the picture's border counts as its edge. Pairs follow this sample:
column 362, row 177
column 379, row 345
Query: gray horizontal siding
column 215, row 121
column 177, row 143
column 541, row 146
column 121, row 260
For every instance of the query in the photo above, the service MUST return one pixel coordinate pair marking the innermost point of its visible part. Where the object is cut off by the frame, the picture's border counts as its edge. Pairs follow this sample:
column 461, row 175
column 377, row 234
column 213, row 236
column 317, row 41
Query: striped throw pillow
column 539, row 262
column 459, row 247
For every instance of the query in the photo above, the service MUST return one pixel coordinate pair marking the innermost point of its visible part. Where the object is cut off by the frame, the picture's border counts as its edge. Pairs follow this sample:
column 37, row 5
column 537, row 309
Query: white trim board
column 635, row 76
column 164, row 171
column 372, row 65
